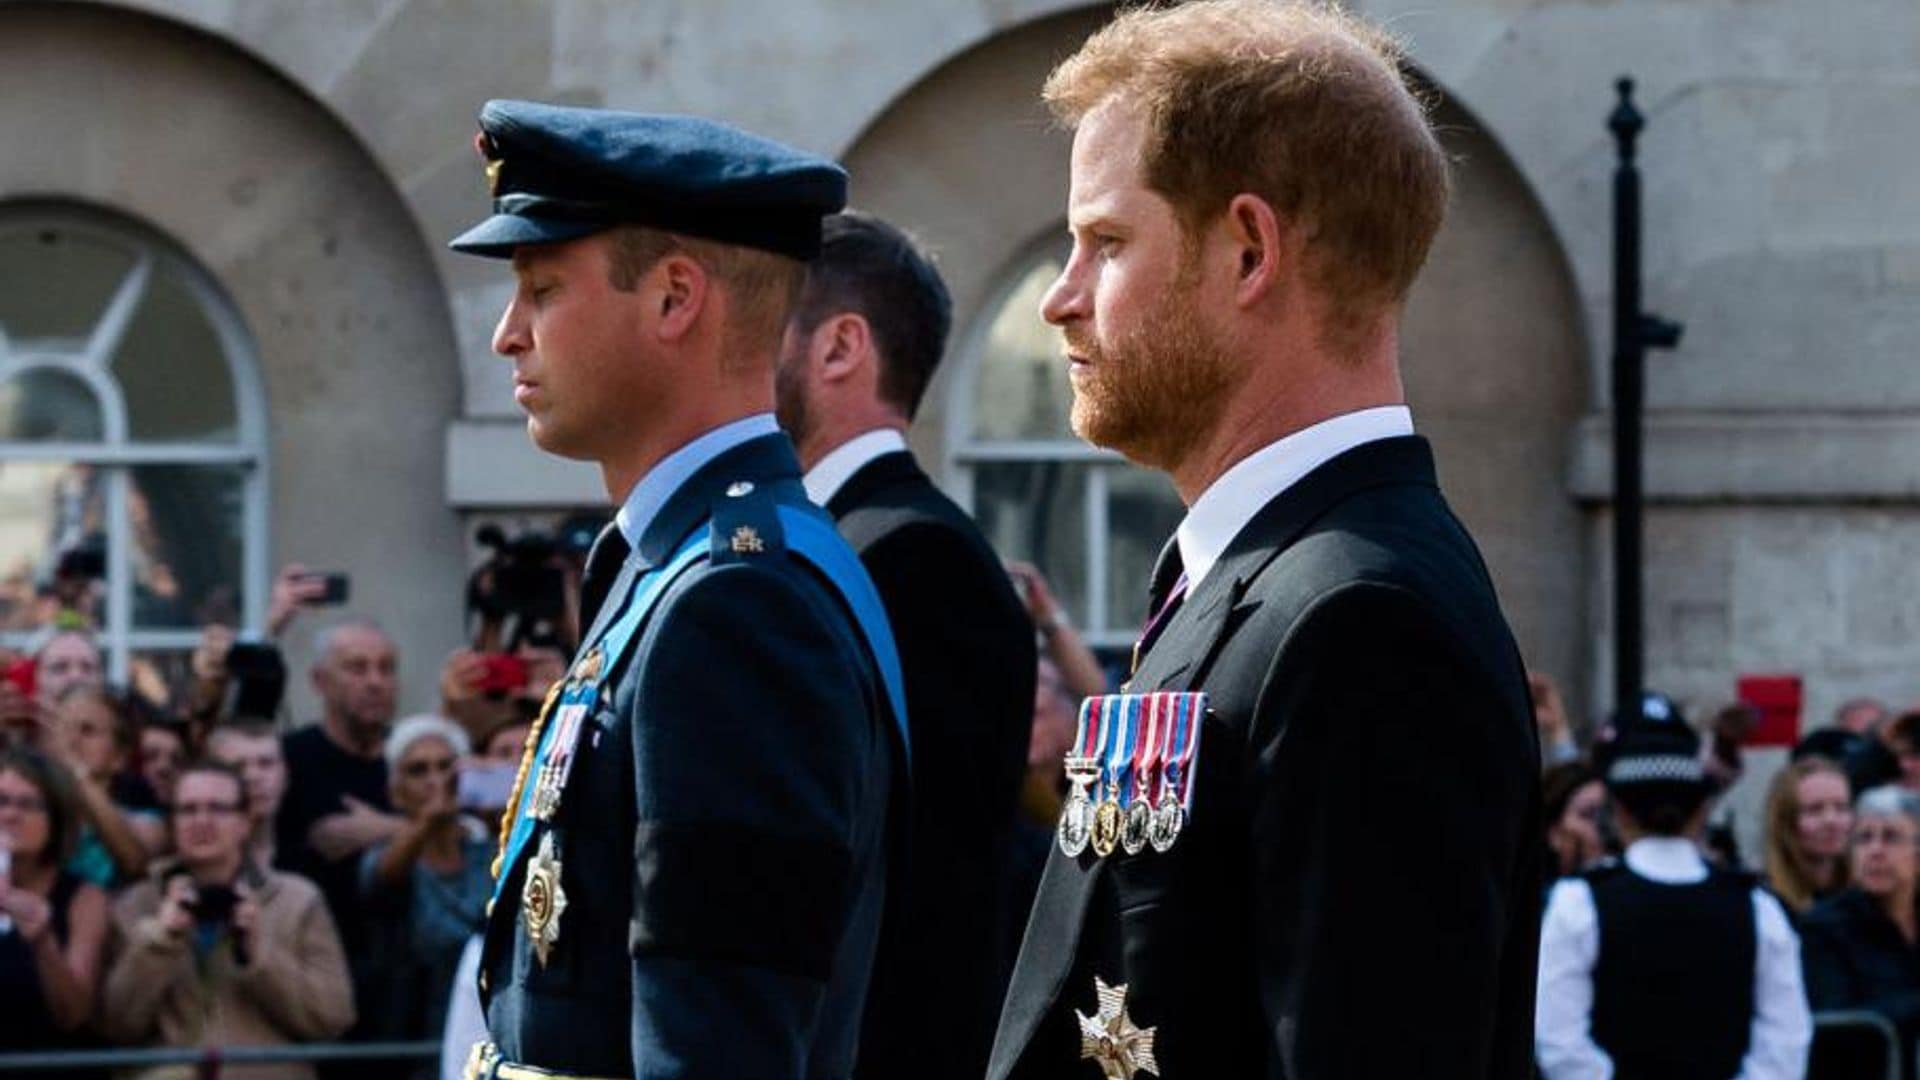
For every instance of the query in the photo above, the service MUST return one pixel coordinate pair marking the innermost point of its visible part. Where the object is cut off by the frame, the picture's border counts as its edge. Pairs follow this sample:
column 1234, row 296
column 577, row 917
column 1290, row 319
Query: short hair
column 206, row 766
column 1905, row 728
column 762, row 286
column 249, row 728
column 876, row 270
column 1888, row 800
column 424, row 726
column 56, row 789
column 1299, row 103
column 329, row 635
column 1860, row 704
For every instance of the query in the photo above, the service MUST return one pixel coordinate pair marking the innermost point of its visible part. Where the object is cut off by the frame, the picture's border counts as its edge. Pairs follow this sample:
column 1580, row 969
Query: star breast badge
column 1110, row 1038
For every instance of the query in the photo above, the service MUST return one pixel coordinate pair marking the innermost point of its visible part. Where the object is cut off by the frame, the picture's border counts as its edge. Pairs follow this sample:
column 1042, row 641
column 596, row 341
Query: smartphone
column 486, row 785
column 504, row 674
column 335, row 588
column 259, row 675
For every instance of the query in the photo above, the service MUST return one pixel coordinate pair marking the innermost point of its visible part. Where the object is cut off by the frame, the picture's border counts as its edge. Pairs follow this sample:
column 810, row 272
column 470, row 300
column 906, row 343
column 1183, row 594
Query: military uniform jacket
column 1356, row 892
column 967, row 650
column 722, row 833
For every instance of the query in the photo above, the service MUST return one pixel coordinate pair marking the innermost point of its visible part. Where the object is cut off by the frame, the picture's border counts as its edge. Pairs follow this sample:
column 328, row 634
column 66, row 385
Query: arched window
column 1092, row 522
column 132, row 437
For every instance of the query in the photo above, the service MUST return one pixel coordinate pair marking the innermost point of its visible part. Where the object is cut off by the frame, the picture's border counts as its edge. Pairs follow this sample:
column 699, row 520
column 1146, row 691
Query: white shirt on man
column 1570, row 946
column 644, row 502
column 1232, row 500
column 832, row 472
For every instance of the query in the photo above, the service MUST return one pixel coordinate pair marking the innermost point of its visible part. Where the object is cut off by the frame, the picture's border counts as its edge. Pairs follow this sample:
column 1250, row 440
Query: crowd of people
column 1663, row 947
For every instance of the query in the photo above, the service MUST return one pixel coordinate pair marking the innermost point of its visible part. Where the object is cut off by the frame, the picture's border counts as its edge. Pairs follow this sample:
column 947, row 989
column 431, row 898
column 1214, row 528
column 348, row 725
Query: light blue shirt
column 654, row 489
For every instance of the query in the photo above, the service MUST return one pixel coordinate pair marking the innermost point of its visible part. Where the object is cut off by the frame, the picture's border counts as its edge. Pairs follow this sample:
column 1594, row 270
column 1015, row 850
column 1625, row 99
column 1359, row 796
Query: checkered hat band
column 1668, row 768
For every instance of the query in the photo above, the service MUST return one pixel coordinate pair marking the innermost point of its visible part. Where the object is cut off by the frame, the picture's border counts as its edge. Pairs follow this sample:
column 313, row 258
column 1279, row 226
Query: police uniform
column 696, row 860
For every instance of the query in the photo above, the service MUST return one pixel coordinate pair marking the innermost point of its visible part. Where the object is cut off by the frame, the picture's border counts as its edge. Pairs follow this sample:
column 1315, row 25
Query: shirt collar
column 665, row 478
column 1669, row 860
column 832, row 472
column 1231, row 501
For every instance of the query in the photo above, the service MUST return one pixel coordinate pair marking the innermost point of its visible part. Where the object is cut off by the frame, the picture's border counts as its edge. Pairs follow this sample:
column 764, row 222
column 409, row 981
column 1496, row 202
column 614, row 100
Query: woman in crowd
column 1862, row 947
column 54, row 923
column 428, row 886
column 93, row 734
column 1809, row 820
column 1574, row 801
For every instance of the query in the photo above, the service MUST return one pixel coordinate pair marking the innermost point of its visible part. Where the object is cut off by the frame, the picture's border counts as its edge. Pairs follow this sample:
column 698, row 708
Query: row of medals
column 1106, row 825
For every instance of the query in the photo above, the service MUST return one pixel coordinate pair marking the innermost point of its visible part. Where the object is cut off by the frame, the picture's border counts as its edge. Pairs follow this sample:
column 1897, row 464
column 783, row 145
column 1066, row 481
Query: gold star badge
column 543, row 901
column 1111, row 1039
column 746, row 541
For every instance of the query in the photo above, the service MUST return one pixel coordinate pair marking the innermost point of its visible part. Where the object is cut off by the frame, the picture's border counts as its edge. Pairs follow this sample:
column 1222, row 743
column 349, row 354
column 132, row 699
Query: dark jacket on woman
column 1855, row 958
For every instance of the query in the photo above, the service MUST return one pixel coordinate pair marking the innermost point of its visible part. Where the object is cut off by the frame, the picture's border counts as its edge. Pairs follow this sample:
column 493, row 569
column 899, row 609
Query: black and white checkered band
column 1655, row 769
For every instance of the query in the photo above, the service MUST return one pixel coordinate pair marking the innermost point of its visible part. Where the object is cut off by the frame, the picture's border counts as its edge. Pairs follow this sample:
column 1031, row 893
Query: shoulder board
column 745, row 525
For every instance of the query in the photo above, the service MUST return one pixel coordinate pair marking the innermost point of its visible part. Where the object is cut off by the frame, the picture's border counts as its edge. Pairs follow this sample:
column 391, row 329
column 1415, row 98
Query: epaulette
column 745, row 525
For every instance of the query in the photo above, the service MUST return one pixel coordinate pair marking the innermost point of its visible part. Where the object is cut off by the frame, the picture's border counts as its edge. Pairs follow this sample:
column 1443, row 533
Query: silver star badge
column 1111, row 1039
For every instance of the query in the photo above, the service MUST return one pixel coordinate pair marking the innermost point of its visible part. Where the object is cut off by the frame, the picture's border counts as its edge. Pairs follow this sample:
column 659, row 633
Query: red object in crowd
column 1778, row 699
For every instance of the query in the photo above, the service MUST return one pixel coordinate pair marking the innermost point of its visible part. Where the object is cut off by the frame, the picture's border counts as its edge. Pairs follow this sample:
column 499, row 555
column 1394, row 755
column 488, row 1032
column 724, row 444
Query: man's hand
column 32, row 915
column 354, row 829
column 246, row 916
column 291, row 590
column 176, row 906
column 460, row 680
column 1549, row 711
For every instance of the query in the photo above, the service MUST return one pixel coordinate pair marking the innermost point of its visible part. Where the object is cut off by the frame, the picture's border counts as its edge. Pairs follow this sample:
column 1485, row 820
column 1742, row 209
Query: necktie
column 1169, row 589
column 604, row 560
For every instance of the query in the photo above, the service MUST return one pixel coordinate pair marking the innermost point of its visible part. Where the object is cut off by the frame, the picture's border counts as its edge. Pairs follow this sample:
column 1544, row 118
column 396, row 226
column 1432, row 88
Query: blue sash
column 807, row 536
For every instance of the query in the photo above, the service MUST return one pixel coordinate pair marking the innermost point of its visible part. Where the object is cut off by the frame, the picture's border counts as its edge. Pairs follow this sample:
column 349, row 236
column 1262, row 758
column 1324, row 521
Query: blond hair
column 1300, row 104
column 1787, row 872
column 763, row 287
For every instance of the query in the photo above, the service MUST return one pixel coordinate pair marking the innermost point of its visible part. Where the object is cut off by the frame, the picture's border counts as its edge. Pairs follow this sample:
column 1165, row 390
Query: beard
column 790, row 407
column 1159, row 392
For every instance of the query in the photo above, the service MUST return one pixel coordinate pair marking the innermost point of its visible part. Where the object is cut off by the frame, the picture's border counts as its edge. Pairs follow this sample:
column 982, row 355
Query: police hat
column 558, row 173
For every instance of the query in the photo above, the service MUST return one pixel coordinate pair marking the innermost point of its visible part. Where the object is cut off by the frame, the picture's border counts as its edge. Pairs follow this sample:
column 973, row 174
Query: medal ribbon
column 1153, row 737
column 1183, row 740
column 1086, row 737
column 1126, row 715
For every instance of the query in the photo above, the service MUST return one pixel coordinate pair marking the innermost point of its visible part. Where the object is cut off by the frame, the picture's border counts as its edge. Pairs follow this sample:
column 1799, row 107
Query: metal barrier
column 209, row 1059
column 1854, row 1044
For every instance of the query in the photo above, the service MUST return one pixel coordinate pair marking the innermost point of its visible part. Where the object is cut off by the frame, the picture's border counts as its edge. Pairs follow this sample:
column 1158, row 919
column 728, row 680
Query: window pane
column 173, row 371
column 1036, row 511
column 48, row 405
column 1022, row 391
column 46, row 508
column 55, row 284
column 1142, row 512
column 185, row 544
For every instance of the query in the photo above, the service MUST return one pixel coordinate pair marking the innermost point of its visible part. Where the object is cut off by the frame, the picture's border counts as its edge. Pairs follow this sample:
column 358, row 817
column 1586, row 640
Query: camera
column 519, row 594
column 259, row 680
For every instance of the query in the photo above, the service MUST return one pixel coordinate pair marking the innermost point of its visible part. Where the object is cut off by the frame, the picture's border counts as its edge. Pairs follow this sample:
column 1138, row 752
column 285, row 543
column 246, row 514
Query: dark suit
column 723, row 830
column 967, row 648
column 1357, row 892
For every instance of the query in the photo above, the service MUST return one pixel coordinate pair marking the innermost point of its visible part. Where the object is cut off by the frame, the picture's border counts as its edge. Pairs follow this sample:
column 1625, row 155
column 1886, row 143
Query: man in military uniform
column 1303, row 844
column 865, row 342
column 694, row 862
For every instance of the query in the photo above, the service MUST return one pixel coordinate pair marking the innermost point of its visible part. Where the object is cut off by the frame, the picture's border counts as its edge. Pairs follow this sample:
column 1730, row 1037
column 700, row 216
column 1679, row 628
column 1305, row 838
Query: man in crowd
column 697, row 862
column 1253, row 189
column 1659, row 964
column 216, row 950
column 252, row 749
column 869, row 332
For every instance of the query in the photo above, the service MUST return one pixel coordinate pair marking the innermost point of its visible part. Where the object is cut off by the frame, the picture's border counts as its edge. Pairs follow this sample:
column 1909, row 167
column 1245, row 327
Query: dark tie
column 604, row 560
column 1169, row 588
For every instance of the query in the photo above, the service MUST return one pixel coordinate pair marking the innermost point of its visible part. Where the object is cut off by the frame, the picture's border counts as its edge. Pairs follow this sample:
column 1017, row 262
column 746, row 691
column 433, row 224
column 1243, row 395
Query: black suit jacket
column 723, row 833
column 967, row 649
column 1357, row 891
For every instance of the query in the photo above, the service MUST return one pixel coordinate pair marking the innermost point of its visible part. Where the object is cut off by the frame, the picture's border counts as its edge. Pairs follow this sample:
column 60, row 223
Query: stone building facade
column 305, row 162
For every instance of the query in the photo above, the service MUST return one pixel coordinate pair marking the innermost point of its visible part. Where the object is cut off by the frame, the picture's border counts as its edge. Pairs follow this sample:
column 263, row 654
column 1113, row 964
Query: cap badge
column 746, row 541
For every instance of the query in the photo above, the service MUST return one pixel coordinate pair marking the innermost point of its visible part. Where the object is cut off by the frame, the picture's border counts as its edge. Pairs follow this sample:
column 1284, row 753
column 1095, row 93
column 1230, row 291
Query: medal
column 1123, row 714
column 1176, row 786
column 1083, row 769
column 1111, row 1038
column 1138, row 823
column 542, row 900
column 559, row 760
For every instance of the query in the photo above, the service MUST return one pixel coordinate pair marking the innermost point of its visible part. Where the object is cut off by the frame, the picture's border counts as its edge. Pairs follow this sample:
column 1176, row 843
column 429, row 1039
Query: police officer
column 694, row 861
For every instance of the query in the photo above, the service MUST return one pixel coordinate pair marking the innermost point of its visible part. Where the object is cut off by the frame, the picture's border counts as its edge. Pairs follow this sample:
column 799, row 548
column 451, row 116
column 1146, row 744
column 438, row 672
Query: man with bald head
column 1341, row 878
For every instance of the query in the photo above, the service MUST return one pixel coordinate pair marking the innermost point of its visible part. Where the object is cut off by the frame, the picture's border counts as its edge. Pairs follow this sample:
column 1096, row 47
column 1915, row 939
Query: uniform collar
column 832, row 472
column 658, row 485
column 1231, row 501
column 1669, row 860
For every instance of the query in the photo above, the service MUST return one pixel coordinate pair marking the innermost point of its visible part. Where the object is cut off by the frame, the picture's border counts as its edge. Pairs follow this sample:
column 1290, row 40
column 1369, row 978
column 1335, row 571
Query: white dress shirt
column 1570, row 946
column 665, row 478
column 832, row 472
column 1222, row 510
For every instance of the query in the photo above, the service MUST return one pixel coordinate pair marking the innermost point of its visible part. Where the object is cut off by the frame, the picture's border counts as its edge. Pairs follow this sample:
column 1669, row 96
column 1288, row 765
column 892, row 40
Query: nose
column 1066, row 299
column 511, row 336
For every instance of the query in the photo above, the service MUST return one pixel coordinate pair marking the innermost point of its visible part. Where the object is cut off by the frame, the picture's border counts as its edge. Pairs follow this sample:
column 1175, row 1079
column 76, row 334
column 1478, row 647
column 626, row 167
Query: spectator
column 1080, row 670
column 1660, row 965
column 336, row 805
column 1854, row 741
column 68, row 659
column 1902, row 736
column 1863, row 945
column 92, row 735
column 427, row 888
column 1809, row 820
column 216, row 950
column 162, row 753
column 1575, row 804
column 466, row 699
column 1557, row 745
column 252, row 749
column 55, row 924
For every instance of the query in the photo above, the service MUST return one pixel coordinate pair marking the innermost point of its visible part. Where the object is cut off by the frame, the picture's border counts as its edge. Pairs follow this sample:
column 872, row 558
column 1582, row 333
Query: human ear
column 842, row 345
column 680, row 284
column 1254, row 230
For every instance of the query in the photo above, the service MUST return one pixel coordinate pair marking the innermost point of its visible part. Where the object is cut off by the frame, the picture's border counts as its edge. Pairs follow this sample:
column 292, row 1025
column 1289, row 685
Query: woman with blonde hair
column 1809, row 818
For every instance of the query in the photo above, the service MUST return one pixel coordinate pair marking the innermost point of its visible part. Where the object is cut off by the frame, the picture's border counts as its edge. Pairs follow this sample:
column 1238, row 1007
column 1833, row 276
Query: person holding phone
column 426, row 889
column 52, row 923
column 213, row 949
